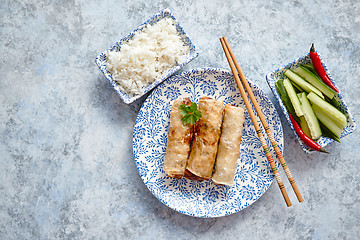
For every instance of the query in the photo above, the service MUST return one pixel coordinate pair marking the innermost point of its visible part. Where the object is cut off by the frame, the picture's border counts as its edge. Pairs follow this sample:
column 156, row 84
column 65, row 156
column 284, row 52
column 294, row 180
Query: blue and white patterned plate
column 273, row 76
column 202, row 199
column 165, row 13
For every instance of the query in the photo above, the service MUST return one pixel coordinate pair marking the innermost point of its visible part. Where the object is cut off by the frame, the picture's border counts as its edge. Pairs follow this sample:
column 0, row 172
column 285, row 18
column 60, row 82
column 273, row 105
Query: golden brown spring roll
column 178, row 143
column 206, row 137
column 229, row 145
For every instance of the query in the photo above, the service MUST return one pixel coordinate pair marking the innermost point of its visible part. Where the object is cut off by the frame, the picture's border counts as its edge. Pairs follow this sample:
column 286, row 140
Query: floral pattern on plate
column 202, row 199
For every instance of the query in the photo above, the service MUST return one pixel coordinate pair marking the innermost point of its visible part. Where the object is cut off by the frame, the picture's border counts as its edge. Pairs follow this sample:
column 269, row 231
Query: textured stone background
column 66, row 164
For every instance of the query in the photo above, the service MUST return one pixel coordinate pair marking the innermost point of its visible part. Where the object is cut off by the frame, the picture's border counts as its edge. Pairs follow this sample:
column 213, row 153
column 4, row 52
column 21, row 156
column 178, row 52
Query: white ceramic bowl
column 102, row 58
column 278, row 74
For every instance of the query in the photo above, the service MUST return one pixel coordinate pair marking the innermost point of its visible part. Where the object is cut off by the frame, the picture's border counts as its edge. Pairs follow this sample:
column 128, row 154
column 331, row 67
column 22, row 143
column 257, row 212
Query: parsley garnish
column 190, row 114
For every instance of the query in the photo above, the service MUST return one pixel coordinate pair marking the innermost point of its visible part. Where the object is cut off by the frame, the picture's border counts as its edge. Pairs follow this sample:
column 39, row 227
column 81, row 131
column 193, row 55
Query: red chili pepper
column 308, row 141
column 319, row 68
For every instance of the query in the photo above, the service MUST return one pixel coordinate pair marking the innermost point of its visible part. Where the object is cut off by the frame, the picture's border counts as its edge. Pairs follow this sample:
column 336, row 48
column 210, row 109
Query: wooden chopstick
column 227, row 50
column 264, row 123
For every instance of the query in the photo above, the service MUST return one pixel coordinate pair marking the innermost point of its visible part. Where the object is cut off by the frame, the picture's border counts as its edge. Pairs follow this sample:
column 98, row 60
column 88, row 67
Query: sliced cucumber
column 304, row 126
column 310, row 67
column 279, row 85
column 302, row 83
column 328, row 122
column 327, row 133
column 333, row 102
column 310, row 117
column 315, row 81
column 332, row 112
column 297, row 88
column 293, row 97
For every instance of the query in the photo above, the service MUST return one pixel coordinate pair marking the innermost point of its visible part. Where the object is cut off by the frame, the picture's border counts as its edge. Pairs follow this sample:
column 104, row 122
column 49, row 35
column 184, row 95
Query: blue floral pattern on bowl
column 202, row 199
column 273, row 76
column 102, row 58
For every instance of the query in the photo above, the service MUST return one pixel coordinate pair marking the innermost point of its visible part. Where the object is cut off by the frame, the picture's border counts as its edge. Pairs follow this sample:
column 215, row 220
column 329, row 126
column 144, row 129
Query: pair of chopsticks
column 237, row 72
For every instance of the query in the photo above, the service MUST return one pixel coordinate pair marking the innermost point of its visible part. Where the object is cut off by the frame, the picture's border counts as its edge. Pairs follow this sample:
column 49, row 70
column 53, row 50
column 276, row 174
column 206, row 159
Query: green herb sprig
column 190, row 114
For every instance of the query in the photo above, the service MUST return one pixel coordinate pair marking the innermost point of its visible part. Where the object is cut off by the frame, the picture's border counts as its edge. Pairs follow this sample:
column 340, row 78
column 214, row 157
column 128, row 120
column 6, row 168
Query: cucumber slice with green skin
column 304, row 126
column 302, row 83
column 293, row 97
column 333, row 102
column 332, row 112
column 279, row 85
column 296, row 87
column 310, row 117
column 327, row 133
column 310, row 67
column 315, row 81
column 328, row 122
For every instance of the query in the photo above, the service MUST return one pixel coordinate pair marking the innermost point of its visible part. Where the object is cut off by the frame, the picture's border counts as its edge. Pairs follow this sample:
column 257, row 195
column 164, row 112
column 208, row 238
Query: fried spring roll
column 206, row 137
column 178, row 143
column 229, row 145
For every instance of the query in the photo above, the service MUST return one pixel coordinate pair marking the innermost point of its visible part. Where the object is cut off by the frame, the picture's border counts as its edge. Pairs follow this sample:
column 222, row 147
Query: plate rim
column 276, row 162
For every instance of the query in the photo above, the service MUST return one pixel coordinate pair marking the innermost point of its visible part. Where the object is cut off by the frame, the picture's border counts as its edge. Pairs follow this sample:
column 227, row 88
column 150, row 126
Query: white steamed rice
column 147, row 57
